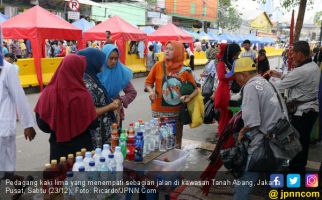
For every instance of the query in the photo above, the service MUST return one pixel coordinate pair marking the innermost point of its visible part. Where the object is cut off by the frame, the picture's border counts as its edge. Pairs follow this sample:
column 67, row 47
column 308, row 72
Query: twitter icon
column 293, row 181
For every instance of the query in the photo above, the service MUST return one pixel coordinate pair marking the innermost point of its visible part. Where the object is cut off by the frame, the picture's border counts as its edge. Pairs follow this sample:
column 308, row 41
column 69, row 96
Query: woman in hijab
column 105, row 106
column 66, row 109
column 116, row 77
column 226, row 57
column 166, row 97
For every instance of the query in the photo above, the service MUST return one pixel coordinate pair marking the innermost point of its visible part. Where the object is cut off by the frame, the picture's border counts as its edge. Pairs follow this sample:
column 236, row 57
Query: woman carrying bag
column 165, row 83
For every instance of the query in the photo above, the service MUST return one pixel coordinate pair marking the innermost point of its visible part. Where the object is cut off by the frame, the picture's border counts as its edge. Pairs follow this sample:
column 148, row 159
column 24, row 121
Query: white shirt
column 13, row 99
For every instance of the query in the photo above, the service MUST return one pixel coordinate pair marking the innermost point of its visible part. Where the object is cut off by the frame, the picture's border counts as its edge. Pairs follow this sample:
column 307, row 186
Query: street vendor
column 164, row 92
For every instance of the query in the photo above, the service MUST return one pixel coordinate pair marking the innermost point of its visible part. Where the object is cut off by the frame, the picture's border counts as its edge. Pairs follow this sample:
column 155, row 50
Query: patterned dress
column 101, row 133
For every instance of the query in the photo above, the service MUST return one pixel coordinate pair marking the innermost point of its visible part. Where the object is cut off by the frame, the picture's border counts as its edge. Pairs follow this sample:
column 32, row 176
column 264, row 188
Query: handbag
column 263, row 159
column 235, row 158
column 292, row 105
column 184, row 116
column 209, row 112
column 207, row 88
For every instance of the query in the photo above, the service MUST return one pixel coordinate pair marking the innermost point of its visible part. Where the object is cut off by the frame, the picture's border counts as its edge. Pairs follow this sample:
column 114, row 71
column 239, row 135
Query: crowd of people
column 83, row 100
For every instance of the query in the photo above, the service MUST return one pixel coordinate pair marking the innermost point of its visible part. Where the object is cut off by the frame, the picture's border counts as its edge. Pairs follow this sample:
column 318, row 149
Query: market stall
column 123, row 35
column 37, row 25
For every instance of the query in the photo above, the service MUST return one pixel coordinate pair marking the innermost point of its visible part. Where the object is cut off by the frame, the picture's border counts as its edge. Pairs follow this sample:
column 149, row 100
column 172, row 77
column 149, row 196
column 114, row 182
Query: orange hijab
column 176, row 63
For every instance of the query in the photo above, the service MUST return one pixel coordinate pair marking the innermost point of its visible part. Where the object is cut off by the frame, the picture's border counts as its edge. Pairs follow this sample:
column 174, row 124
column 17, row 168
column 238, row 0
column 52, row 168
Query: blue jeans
column 241, row 192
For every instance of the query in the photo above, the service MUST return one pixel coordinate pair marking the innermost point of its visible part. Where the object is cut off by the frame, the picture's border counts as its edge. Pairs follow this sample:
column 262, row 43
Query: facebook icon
column 276, row 181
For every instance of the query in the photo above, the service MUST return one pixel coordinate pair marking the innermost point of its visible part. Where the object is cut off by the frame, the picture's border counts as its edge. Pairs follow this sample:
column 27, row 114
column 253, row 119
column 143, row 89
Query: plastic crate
column 176, row 161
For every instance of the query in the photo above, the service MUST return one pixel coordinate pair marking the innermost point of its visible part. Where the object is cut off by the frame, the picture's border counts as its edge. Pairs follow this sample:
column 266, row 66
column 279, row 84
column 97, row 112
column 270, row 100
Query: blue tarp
column 82, row 24
column 267, row 40
column 213, row 37
column 3, row 18
column 148, row 30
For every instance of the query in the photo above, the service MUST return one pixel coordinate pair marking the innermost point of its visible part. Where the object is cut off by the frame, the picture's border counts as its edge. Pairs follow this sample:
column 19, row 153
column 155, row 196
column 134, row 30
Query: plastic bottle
column 68, row 187
column 63, row 168
column 119, row 159
column 106, row 151
column 130, row 146
column 54, row 168
column 170, row 138
column 81, row 179
column 98, row 155
column 136, row 127
column 131, row 128
column 155, row 133
column 83, row 152
column 150, row 137
column 70, row 162
column 102, row 165
column 111, row 163
column 139, row 144
column 114, row 137
column 47, row 176
column 163, row 139
column 78, row 163
column 88, row 158
column 92, row 172
column 122, row 144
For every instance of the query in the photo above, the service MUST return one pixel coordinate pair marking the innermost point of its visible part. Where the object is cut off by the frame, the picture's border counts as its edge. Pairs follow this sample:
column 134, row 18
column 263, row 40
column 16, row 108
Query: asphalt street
column 31, row 156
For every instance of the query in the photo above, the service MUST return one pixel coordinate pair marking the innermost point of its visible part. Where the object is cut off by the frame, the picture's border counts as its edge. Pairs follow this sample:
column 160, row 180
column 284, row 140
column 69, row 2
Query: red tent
column 121, row 32
column 170, row 32
column 38, row 24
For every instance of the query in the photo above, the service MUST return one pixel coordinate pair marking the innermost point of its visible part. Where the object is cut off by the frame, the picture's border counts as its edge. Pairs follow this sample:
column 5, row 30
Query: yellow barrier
column 27, row 72
column 48, row 68
column 200, row 58
column 135, row 63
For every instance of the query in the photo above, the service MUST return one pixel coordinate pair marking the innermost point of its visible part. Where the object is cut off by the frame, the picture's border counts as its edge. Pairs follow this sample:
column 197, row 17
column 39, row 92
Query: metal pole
column 321, row 33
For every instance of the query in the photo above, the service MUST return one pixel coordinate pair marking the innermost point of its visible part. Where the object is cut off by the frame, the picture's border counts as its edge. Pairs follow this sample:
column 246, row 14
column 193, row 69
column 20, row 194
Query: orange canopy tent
column 38, row 24
column 121, row 32
column 170, row 32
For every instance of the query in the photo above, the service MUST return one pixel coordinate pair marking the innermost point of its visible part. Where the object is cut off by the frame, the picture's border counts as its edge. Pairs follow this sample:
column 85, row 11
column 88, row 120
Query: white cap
column 106, row 146
column 88, row 154
column 118, row 149
column 98, row 150
column 79, row 159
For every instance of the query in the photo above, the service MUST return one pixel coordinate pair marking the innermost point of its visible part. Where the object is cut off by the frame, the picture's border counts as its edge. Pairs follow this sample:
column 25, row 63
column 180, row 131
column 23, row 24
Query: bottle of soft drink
column 54, row 168
column 69, row 187
column 122, row 143
column 106, row 151
column 70, row 162
column 139, row 144
column 79, row 163
column 131, row 128
column 98, row 155
column 63, row 168
column 88, row 158
column 83, row 152
column 47, row 176
column 114, row 137
column 130, row 146
column 163, row 139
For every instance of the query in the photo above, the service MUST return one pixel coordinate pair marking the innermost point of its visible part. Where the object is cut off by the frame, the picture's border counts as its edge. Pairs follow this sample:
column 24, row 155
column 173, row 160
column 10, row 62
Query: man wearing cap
column 260, row 112
column 248, row 52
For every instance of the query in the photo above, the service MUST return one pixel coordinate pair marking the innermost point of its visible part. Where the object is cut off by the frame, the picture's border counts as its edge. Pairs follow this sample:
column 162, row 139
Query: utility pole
column 321, row 32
